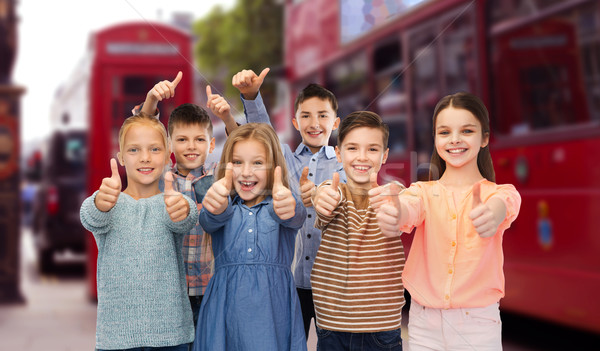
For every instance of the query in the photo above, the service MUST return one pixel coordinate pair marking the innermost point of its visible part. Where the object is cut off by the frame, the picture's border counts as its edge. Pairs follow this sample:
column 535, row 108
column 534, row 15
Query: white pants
column 472, row 329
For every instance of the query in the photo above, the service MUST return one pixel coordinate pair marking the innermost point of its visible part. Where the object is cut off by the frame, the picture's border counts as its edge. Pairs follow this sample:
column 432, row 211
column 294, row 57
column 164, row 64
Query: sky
column 53, row 37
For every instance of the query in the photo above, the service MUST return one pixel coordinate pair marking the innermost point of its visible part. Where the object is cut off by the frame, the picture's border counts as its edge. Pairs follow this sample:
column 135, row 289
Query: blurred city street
column 56, row 316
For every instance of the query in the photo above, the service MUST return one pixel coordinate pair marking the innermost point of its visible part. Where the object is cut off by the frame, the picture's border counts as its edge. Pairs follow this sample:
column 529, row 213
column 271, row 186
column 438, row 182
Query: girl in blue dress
column 252, row 217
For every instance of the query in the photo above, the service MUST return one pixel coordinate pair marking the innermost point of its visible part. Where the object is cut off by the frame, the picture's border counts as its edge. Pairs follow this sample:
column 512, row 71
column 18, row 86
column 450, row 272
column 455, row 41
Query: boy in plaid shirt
column 191, row 139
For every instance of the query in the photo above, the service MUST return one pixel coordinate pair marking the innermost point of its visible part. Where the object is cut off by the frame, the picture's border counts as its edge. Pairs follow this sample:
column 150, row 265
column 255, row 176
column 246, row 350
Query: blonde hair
column 264, row 134
column 142, row 119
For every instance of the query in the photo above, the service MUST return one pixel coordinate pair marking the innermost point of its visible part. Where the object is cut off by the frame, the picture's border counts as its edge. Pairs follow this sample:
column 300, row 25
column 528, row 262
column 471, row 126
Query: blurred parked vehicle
column 61, row 191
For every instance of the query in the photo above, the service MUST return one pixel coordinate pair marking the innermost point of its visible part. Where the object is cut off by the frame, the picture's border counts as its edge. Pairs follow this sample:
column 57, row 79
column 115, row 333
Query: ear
column 385, row 156
column 485, row 140
column 336, row 123
column 295, row 123
column 338, row 154
column 120, row 158
column 212, row 145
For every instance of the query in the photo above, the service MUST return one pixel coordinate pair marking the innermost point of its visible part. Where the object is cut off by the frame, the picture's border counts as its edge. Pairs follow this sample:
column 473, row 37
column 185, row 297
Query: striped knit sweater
column 357, row 275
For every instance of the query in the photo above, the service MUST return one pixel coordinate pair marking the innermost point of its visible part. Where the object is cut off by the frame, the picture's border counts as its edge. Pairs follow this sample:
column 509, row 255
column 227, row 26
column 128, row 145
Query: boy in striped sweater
column 357, row 275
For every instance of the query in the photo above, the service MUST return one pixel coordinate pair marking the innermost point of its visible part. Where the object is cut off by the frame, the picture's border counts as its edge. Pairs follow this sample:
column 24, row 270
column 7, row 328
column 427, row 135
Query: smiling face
column 250, row 171
column 361, row 153
column 144, row 156
column 191, row 145
column 458, row 138
column 315, row 120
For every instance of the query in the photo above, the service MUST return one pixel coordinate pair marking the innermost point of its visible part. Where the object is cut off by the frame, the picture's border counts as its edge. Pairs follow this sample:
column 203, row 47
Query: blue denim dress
column 251, row 301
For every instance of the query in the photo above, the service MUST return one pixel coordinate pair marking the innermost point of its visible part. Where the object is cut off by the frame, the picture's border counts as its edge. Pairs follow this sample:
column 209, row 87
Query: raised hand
column 388, row 213
column 328, row 197
column 284, row 203
column 217, row 104
column 110, row 189
column 216, row 199
column 375, row 197
column 307, row 188
column 161, row 90
column 248, row 83
column 485, row 222
column 177, row 207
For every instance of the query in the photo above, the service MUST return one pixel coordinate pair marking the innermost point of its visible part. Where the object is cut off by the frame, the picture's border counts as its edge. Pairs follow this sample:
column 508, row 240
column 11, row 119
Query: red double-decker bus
column 536, row 64
column 122, row 64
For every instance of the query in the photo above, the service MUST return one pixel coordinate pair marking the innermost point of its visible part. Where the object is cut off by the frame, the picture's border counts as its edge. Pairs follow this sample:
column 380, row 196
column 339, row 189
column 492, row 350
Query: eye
column 304, row 116
column 201, row 139
column 133, row 149
column 468, row 131
column 443, row 132
column 236, row 162
column 351, row 148
column 323, row 116
column 258, row 163
column 156, row 149
column 180, row 139
column 374, row 149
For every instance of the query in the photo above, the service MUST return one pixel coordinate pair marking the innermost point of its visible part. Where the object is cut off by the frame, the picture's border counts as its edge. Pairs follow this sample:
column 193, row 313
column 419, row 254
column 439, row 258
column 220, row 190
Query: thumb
column 304, row 176
column 169, row 183
column 335, row 182
column 373, row 178
column 476, row 194
column 228, row 175
column 394, row 190
column 277, row 183
column 263, row 74
column 208, row 91
column 115, row 169
column 177, row 79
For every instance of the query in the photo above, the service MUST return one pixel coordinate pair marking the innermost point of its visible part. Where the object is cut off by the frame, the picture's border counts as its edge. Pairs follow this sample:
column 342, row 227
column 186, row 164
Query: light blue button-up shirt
column 320, row 168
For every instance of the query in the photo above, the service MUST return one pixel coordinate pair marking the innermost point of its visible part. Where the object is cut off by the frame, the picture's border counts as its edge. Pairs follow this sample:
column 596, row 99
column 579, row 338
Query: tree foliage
column 249, row 36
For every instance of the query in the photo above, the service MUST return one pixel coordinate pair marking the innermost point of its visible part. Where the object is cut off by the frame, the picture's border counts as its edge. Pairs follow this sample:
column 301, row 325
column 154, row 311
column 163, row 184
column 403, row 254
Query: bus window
column 459, row 54
column 346, row 80
column 549, row 70
column 390, row 100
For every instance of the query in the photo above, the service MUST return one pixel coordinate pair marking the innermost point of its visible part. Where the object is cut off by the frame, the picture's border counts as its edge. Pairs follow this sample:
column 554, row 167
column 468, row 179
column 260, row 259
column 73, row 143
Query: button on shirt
column 321, row 167
column 450, row 265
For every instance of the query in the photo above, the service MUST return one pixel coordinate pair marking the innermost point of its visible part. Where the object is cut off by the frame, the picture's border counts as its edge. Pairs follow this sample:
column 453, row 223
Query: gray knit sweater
column 142, row 298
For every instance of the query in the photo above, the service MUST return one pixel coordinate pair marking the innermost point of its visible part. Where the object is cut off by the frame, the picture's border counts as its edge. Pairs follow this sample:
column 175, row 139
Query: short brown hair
column 189, row 114
column 315, row 90
column 359, row 119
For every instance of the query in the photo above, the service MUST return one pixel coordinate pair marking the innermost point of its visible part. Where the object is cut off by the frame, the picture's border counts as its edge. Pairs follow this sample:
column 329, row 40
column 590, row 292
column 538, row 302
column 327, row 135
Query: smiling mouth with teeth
column 456, row 151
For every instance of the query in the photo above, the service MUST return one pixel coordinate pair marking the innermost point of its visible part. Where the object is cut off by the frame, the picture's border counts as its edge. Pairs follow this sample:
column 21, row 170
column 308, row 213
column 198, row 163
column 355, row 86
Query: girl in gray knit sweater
column 142, row 298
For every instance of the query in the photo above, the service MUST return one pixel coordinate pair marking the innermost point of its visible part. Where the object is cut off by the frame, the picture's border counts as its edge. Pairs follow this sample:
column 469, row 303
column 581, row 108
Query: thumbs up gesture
column 216, row 199
column 109, row 189
column 284, row 203
column 307, row 188
column 327, row 198
column 217, row 104
column 388, row 213
column 248, row 83
column 161, row 90
column 177, row 207
column 485, row 221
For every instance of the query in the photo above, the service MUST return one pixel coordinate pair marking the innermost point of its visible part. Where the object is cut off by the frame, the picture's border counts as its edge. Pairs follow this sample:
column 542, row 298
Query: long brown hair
column 473, row 104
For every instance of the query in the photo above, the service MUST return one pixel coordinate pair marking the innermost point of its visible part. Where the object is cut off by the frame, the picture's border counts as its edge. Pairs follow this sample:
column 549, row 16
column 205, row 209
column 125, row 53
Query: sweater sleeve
column 512, row 200
column 93, row 219
column 184, row 226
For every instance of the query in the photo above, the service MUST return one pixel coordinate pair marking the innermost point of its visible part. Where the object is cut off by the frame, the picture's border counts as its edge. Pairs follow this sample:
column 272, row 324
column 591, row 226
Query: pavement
column 57, row 315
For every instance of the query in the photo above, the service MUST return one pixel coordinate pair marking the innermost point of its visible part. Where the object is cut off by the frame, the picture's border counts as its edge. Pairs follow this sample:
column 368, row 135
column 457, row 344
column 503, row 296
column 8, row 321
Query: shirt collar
column 238, row 200
column 195, row 173
column 329, row 151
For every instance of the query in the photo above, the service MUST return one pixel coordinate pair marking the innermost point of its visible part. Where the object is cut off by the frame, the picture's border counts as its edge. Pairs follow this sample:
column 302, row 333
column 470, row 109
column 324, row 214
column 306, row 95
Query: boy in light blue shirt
column 312, row 162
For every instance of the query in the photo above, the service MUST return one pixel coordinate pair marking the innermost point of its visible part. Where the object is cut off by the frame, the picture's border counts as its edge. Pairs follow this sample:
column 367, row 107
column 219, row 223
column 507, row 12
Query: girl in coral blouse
column 454, row 269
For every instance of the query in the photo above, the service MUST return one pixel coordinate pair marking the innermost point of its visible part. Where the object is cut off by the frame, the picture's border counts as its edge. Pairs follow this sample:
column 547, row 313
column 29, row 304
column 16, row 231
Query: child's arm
column 160, row 91
column 110, row 189
column 488, row 216
column 95, row 212
column 248, row 83
column 386, row 202
column 220, row 108
column 307, row 188
column 177, row 207
column 216, row 199
column 327, row 197
column 290, row 212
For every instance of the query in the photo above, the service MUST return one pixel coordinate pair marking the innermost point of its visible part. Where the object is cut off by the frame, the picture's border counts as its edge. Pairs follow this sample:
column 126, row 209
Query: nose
column 362, row 154
column 455, row 138
column 314, row 121
column 145, row 156
column 246, row 170
column 191, row 145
